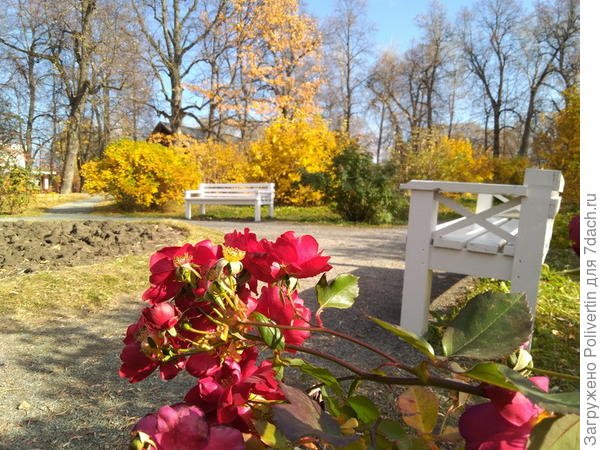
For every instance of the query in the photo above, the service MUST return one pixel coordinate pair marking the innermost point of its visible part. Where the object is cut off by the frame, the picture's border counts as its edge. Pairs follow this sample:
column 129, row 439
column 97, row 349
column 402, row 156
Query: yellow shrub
column 558, row 145
column 510, row 170
column 437, row 157
column 288, row 147
column 216, row 162
column 141, row 175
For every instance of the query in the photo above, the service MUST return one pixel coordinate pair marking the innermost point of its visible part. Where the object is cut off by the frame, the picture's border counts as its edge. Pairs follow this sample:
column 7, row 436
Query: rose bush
column 231, row 316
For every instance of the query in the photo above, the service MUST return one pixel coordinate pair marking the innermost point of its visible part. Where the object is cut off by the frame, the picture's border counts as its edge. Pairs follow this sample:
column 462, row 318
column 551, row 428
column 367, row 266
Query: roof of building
column 165, row 128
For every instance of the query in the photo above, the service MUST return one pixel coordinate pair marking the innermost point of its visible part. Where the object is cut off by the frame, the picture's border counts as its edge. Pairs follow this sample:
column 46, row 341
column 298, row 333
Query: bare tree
column 347, row 47
column 24, row 28
column 547, row 38
column 173, row 30
column 433, row 51
column 70, row 49
column 398, row 82
column 487, row 36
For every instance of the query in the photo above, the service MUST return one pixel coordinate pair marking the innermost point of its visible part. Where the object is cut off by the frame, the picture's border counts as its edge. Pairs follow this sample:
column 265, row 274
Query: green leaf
column 490, row 373
column 561, row 402
column 302, row 417
column 505, row 377
column 365, row 409
column 339, row 293
column 272, row 336
column 333, row 404
column 490, row 326
column 560, row 433
column 416, row 341
column 318, row 373
column 418, row 406
column 391, row 429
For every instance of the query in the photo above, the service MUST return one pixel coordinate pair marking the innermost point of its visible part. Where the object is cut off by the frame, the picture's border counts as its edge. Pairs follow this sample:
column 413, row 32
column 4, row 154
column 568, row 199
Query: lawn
column 321, row 214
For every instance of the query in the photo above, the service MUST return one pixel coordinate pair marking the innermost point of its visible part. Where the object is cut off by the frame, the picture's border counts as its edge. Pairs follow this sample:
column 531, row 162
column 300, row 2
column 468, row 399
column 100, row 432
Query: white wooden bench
column 256, row 194
column 507, row 237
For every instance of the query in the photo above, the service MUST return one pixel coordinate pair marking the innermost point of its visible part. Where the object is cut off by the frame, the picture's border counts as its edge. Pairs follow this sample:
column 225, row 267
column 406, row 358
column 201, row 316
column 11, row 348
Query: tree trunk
column 496, row 141
column 380, row 137
column 524, row 147
column 31, row 107
column 348, row 106
column 176, row 118
column 71, row 156
column 105, row 117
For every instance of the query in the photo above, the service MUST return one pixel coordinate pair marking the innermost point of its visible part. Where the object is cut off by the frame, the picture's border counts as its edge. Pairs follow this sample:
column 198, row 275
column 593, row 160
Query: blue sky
column 394, row 20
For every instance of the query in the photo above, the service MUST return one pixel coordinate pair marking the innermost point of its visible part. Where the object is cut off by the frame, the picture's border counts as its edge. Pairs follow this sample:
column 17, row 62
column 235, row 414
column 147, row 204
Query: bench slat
column 491, row 243
column 460, row 187
column 460, row 238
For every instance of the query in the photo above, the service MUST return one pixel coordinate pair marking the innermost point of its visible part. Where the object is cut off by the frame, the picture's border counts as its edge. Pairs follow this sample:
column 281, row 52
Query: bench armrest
column 459, row 187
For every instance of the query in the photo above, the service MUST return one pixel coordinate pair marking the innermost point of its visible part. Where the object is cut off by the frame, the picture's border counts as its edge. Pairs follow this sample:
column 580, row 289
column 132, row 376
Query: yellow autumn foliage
column 558, row 146
column 284, row 57
column 219, row 162
column 288, row 147
column 438, row 157
column 215, row 162
column 141, row 175
column 510, row 170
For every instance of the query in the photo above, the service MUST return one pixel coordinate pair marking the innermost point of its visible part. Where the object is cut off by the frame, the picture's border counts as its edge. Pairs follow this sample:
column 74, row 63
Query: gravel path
column 58, row 381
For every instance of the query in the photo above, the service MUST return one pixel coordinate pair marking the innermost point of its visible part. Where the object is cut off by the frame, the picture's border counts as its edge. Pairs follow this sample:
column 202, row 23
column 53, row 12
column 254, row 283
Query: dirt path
column 59, row 377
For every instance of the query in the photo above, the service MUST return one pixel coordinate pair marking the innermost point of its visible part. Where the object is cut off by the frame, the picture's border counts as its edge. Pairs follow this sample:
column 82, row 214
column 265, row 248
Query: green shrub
column 17, row 187
column 359, row 189
column 141, row 175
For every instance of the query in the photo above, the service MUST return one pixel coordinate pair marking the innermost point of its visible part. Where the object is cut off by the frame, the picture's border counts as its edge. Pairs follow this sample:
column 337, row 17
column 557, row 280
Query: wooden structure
column 507, row 237
column 257, row 194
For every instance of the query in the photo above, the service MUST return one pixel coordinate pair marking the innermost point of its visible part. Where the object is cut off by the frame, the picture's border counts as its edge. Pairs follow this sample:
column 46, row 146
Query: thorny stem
column 339, row 334
column 430, row 380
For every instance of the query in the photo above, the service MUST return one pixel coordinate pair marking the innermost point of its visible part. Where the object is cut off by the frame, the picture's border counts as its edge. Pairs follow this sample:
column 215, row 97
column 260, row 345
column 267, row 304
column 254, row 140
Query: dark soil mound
column 32, row 246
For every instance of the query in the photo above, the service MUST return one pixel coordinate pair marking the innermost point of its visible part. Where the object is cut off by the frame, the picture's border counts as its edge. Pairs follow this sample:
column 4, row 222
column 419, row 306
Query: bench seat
column 476, row 238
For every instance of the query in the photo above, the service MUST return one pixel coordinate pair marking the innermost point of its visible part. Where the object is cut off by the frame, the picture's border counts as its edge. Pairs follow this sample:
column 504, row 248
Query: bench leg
column 535, row 230
column 271, row 210
column 202, row 209
column 188, row 210
column 416, row 290
column 257, row 207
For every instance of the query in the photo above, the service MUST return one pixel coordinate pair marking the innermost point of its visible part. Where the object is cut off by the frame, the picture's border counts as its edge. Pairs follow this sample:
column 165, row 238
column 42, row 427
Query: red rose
column 183, row 427
column 504, row 423
column 299, row 256
column 285, row 309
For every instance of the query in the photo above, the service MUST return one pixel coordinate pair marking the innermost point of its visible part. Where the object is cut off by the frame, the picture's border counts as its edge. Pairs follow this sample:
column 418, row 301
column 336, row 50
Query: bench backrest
column 539, row 185
column 224, row 190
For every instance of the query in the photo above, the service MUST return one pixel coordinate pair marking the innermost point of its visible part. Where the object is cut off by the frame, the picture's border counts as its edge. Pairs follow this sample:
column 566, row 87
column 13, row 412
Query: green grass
column 314, row 214
column 320, row 214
